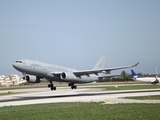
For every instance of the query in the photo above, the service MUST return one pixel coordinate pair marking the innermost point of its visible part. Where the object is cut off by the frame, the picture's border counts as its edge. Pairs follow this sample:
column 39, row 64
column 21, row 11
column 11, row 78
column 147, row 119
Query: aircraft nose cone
column 14, row 65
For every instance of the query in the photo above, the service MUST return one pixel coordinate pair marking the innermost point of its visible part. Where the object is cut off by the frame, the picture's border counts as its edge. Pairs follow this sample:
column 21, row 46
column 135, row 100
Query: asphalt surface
column 65, row 94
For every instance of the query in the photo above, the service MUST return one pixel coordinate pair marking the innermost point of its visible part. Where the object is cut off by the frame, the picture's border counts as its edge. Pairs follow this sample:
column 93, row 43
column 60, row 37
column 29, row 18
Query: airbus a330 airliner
column 33, row 71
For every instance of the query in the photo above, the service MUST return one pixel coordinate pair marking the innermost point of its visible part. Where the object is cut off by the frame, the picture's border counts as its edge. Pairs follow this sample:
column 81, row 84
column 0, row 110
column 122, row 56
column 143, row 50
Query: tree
column 126, row 76
column 140, row 74
column 123, row 74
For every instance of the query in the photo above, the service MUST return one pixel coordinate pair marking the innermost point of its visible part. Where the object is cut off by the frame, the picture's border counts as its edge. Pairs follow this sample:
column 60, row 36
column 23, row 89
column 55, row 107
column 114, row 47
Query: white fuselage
column 51, row 72
column 147, row 79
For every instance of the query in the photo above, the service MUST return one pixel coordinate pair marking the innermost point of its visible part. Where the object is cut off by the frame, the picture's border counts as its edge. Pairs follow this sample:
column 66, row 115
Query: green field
column 131, row 87
column 81, row 111
column 149, row 97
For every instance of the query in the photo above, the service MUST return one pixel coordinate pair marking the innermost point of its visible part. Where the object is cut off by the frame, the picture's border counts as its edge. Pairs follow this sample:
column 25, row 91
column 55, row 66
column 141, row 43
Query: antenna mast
column 156, row 70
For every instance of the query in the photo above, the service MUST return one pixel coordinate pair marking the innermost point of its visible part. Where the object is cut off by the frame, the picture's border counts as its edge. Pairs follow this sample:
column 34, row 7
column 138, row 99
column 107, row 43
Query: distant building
column 2, row 77
column 10, row 80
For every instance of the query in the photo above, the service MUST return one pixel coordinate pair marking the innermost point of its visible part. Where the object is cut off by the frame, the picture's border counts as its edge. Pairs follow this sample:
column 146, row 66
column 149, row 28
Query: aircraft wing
column 104, row 70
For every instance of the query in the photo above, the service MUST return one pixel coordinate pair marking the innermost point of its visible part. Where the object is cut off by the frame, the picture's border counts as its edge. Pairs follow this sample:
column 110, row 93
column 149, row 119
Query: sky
column 76, row 33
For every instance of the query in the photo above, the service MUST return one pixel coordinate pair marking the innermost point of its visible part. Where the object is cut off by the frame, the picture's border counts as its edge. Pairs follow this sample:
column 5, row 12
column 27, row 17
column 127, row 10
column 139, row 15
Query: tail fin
column 100, row 63
column 134, row 75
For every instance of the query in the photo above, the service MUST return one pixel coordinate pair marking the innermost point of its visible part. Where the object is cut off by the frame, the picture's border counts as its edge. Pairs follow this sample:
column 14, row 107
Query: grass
column 10, row 93
column 132, row 87
column 79, row 111
column 149, row 97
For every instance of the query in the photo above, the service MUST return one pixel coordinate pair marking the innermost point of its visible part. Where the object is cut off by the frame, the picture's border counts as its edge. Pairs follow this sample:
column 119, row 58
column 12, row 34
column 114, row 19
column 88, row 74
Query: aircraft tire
column 72, row 87
column 75, row 87
column 69, row 84
column 54, row 88
column 49, row 85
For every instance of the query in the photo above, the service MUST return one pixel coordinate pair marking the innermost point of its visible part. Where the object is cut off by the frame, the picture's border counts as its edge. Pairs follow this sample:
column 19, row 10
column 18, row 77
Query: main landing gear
column 153, row 83
column 72, row 85
column 51, row 86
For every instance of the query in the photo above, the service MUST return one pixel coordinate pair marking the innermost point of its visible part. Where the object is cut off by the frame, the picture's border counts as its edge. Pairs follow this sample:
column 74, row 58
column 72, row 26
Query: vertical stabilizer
column 134, row 75
column 100, row 63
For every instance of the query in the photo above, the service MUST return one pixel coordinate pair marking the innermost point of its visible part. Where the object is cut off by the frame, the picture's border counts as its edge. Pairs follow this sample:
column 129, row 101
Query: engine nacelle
column 68, row 76
column 32, row 79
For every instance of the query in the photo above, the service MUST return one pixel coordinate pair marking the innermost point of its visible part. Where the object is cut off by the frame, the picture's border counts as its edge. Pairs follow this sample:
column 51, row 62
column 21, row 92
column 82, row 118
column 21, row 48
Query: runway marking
column 107, row 100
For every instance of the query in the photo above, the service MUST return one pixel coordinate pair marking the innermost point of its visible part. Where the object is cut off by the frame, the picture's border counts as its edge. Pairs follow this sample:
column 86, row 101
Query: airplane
column 33, row 71
column 152, row 80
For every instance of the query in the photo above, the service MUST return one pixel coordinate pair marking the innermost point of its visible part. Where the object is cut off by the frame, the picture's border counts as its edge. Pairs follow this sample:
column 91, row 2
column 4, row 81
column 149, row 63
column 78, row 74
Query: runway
column 65, row 94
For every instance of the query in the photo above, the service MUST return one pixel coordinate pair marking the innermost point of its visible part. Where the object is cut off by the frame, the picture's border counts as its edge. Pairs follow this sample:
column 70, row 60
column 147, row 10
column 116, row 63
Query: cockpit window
column 18, row 61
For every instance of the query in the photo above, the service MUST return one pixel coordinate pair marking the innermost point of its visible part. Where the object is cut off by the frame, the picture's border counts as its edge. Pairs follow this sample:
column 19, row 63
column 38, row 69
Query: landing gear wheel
column 73, row 87
column 51, row 86
column 54, row 88
column 69, row 84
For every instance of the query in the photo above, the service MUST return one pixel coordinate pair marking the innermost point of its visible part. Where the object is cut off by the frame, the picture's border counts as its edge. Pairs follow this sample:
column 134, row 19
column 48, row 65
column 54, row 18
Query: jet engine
column 68, row 76
column 32, row 79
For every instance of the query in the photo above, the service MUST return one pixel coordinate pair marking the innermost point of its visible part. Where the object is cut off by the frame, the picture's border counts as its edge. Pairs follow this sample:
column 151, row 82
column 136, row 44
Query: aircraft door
column 27, row 63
